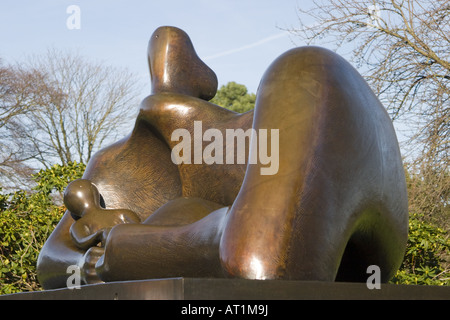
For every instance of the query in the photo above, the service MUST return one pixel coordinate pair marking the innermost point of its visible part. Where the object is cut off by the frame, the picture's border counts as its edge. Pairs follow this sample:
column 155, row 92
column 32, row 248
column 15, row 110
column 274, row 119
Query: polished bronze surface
column 176, row 68
column 336, row 204
column 93, row 223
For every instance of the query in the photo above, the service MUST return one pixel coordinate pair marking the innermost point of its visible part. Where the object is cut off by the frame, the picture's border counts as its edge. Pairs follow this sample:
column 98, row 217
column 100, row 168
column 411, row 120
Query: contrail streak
column 248, row 46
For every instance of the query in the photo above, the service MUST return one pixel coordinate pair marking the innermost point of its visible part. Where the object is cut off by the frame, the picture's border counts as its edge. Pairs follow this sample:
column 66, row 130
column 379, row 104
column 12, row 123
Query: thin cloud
column 246, row 47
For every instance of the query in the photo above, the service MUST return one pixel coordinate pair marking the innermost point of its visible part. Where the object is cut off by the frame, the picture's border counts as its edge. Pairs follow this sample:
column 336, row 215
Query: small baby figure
column 93, row 222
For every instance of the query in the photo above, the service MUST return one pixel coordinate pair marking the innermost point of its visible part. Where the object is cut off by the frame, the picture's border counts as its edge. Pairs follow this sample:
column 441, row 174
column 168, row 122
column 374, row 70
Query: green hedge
column 427, row 255
column 26, row 221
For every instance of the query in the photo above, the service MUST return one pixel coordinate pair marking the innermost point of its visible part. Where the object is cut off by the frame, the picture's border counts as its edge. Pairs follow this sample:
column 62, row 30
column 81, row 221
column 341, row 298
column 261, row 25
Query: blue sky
column 238, row 39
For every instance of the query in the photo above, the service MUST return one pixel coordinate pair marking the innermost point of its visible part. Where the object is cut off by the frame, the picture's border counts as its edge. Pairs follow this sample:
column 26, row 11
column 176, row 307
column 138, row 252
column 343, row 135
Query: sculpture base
column 235, row 289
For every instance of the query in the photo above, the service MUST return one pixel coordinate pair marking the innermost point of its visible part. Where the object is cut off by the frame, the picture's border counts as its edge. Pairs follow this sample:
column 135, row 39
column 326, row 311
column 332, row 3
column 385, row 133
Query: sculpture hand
column 87, row 265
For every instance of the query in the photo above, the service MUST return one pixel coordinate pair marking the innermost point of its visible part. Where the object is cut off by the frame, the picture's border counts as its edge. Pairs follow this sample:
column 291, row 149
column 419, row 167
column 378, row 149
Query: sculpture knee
column 338, row 152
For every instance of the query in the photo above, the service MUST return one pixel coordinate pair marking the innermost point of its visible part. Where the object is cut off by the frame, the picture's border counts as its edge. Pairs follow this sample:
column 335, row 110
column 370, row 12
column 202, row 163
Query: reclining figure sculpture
column 336, row 205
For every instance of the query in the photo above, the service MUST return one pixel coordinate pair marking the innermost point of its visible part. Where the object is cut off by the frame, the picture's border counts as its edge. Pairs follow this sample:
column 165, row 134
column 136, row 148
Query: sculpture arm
column 58, row 253
column 139, row 251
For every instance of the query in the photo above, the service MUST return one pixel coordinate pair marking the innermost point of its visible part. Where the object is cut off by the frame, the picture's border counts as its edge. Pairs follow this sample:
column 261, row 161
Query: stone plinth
column 235, row 289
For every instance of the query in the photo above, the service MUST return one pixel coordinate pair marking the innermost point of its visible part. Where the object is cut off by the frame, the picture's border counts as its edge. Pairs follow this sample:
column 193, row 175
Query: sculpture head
column 175, row 66
column 79, row 196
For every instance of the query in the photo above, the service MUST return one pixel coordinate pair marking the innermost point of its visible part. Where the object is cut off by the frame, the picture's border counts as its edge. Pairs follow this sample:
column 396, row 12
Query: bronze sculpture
column 336, row 204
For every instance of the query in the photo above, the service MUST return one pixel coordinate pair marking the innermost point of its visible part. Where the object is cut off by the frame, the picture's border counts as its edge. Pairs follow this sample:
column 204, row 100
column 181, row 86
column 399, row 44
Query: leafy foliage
column 58, row 177
column 429, row 191
column 427, row 253
column 26, row 221
column 235, row 97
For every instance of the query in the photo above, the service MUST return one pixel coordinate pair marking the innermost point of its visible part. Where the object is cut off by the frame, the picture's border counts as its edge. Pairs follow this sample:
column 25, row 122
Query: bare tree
column 16, row 92
column 65, row 108
column 403, row 50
